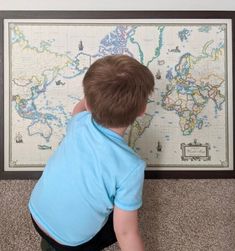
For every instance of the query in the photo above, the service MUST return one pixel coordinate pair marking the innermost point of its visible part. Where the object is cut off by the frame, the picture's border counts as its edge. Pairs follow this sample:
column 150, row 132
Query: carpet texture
column 177, row 215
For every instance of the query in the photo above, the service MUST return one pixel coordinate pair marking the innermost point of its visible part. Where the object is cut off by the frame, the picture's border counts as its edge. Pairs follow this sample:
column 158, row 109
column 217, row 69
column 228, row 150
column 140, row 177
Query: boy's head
column 116, row 89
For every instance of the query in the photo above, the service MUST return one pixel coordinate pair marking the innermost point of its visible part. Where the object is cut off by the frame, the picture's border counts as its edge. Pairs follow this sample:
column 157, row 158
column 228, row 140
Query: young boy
column 91, row 187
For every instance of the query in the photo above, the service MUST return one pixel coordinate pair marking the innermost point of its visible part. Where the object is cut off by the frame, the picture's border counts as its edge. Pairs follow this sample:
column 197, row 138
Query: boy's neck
column 119, row 130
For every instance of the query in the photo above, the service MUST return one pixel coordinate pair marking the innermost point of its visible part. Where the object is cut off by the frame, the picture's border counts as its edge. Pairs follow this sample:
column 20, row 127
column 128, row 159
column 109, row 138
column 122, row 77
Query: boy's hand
column 126, row 230
column 80, row 107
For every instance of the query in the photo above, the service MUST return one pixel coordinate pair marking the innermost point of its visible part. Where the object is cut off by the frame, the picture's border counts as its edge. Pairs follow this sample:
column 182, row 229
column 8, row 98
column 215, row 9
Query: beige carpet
column 177, row 215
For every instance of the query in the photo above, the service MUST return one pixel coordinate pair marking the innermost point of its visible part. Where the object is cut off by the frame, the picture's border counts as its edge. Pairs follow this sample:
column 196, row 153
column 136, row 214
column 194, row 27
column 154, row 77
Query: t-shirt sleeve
column 75, row 118
column 129, row 193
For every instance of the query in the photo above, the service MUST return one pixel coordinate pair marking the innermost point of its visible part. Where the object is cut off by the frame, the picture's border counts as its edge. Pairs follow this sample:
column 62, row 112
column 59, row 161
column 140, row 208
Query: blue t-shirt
column 92, row 170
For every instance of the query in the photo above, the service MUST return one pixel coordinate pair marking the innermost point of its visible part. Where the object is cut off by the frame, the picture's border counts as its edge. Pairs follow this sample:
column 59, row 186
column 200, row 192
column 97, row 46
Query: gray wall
column 117, row 5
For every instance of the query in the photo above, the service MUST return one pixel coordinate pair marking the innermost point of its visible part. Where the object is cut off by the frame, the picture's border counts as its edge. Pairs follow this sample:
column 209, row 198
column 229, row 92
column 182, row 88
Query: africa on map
column 186, row 124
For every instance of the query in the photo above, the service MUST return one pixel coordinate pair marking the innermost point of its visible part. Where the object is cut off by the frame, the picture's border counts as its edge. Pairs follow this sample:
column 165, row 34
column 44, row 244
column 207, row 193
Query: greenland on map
column 188, row 124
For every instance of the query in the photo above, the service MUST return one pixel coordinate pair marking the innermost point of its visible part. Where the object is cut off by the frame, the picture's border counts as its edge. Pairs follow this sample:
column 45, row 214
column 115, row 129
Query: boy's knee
column 45, row 246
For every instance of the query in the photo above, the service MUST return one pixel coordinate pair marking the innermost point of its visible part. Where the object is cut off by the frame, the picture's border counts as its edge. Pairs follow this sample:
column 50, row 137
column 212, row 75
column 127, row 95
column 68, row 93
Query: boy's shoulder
column 77, row 118
column 80, row 115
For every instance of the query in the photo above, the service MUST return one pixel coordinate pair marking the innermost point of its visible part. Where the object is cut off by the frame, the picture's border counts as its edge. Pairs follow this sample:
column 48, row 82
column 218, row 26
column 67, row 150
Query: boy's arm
column 127, row 230
column 79, row 107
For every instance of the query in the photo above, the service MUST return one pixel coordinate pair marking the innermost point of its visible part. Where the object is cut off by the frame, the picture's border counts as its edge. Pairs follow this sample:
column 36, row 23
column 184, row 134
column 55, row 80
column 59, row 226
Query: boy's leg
column 104, row 238
column 45, row 246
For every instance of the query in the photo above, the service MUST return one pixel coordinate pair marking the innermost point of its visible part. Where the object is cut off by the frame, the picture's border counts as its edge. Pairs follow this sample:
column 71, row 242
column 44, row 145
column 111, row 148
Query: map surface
column 186, row 124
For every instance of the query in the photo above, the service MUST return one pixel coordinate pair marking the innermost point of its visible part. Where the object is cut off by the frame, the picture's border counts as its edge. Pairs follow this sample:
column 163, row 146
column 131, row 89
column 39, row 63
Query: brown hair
column 116, row 89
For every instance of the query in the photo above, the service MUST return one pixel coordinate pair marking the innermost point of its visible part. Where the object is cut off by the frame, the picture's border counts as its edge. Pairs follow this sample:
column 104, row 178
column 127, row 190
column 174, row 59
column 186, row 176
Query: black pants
column 104, row 238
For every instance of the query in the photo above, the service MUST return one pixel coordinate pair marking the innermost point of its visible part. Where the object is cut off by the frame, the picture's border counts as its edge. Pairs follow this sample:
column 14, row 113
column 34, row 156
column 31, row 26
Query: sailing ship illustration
column 19, row 138
column 159, row 146
column 158, row 75
column 80, row 46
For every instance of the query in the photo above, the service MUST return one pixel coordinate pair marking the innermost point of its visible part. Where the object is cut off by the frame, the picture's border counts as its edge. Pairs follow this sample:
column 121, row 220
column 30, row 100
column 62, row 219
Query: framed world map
column 187, row 130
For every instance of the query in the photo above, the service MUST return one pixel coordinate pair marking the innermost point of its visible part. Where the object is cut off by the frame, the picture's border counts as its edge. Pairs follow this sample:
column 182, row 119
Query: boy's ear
column 86, row 105
column 143, row 111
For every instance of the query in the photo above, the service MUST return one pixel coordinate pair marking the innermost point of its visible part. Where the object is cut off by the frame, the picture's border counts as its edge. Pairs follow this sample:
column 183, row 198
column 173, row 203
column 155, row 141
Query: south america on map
column 186, row 121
